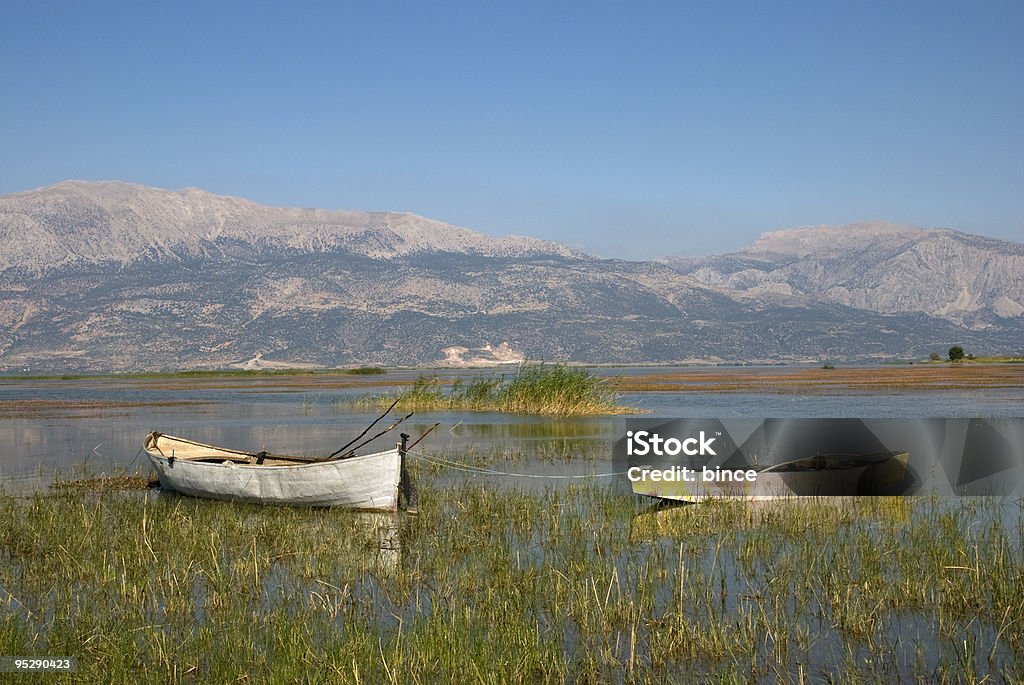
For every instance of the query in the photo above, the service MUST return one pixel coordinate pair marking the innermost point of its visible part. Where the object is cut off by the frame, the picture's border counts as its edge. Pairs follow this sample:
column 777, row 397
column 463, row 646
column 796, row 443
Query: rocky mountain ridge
column 113, row 276
column 886, row 268
column 78, row 223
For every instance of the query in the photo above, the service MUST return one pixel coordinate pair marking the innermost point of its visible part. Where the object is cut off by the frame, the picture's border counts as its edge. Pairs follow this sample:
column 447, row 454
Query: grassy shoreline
column 815, row 380
column 206, row 373
column 993, row 359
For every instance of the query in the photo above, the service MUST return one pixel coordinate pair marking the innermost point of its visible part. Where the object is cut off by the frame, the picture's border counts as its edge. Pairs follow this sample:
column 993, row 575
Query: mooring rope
column 136, row 456
column 469, row 468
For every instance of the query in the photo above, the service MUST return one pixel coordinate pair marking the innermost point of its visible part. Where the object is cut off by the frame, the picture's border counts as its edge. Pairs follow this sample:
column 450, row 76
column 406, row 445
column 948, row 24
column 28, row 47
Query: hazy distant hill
column 76, row 223
column 881, row 267
column 110, row 276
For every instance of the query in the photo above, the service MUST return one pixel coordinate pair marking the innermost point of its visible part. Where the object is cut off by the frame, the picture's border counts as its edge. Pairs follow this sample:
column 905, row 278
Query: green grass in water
column 498, row 585
column 540, row 389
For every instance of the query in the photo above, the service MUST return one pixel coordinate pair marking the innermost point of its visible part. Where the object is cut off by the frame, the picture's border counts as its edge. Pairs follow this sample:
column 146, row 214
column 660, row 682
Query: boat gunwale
column 299, row 462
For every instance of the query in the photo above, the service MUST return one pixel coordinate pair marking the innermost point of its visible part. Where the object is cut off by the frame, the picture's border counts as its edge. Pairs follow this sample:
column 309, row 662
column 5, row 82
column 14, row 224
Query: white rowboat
column 369, row 481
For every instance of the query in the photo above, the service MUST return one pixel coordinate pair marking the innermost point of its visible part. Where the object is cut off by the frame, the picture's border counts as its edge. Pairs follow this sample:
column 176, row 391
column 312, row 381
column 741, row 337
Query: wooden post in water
column 405, row 489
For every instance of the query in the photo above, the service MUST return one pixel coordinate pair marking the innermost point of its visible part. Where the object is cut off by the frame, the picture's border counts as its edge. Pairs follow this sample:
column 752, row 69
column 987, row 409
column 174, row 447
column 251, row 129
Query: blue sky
column 625, row 129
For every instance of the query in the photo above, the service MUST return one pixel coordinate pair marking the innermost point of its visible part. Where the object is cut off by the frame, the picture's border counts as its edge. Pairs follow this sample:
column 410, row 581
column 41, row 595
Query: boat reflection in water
column 380, row 531
column 679, row 520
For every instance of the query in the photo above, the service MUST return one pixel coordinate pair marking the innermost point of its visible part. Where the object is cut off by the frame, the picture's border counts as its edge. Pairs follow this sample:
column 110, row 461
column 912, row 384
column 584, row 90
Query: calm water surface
column 52, row 426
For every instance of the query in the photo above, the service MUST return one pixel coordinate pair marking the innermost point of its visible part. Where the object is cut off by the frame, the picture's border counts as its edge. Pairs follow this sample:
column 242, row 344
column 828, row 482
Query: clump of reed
column 367, row 371
column 556, row 390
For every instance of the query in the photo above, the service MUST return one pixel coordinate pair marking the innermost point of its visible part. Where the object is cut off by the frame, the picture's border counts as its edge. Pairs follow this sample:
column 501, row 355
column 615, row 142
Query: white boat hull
column 368, row 482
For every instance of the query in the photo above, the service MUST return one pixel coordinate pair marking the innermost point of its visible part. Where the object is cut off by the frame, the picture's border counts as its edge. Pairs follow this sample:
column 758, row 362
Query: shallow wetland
column 543, row 574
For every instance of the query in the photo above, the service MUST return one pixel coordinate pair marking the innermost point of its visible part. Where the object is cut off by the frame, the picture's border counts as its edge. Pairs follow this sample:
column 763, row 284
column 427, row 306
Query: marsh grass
column 486, row 584
column 105, row 483
column 536, row 389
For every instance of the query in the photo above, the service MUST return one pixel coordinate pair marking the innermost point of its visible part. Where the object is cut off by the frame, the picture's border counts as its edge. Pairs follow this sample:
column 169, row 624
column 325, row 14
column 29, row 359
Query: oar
column 369, row 440
column 428, row 432
column 367, row 430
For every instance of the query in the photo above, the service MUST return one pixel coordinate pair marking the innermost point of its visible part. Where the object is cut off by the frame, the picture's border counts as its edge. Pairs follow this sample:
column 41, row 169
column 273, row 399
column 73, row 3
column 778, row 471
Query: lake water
column 55, row 426
column 50, row 426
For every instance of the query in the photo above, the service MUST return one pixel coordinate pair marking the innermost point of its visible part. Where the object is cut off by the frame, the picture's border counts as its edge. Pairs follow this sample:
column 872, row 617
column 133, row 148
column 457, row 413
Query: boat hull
column 368, row 482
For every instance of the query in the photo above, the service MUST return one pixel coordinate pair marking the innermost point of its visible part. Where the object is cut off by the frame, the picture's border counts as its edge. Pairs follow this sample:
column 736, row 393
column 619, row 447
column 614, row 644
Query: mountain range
column 111, row 276
column 887, row 268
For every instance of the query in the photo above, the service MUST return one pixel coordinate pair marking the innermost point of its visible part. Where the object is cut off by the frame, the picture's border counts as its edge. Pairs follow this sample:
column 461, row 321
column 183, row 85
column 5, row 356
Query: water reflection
column 317, row 418
column 681, row 521
column 381, row 532
column 500, row 427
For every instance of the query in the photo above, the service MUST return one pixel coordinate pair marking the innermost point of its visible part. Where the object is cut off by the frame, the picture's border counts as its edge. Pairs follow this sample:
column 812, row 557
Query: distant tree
column 934, row 356
column 956, row 353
